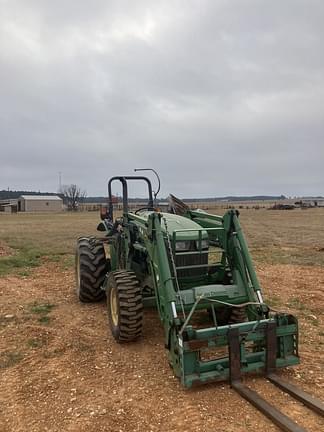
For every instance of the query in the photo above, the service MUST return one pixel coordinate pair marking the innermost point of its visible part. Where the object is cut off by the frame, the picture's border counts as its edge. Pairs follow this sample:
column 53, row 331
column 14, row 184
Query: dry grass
column 40, row 237
column 274, row 237
column 53, row 233
column 285, row 237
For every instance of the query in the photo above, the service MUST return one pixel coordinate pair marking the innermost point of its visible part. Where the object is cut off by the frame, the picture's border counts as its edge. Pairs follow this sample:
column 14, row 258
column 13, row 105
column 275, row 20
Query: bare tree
column 73, row 196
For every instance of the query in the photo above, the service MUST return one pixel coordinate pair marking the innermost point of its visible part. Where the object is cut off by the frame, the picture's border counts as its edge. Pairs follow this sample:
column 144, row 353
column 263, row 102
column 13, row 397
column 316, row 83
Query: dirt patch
column 65, row 372
column 5, row 250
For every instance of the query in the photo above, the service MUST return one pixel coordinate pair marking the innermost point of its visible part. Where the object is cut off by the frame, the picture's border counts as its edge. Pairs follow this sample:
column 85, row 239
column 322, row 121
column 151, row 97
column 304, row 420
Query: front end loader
column 196, row 269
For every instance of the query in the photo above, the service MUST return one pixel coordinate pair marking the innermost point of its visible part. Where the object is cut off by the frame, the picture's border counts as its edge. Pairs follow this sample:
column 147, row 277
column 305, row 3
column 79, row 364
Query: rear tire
column 228, row 315
column 125, row 306
column 238, row 315
column 222, row 315
column 91, row 267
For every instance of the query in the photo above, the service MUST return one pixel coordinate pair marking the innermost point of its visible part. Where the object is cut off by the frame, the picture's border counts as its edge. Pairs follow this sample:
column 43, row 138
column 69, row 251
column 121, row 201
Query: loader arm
column 235, row 246
column 179, row 303
column 152, row 239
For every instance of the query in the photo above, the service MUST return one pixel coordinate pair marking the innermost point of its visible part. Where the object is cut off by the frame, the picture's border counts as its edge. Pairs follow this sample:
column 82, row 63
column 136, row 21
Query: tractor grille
column 191, row 260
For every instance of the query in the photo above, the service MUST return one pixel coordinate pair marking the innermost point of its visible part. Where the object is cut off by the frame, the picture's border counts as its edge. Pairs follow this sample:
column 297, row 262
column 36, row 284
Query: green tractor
column 195, row 268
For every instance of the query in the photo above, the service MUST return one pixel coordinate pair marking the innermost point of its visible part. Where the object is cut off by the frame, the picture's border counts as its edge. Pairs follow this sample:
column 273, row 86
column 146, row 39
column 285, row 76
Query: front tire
column 91, row 267
column 125, row 306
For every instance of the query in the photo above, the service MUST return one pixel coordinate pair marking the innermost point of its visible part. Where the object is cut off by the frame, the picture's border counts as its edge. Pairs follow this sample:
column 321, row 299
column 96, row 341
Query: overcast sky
column 220, row 97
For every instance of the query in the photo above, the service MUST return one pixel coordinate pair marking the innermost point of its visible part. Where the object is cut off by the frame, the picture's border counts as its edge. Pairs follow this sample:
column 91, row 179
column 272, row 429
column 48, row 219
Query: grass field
column 274, row 237
column 285, row 237
column 35, row 238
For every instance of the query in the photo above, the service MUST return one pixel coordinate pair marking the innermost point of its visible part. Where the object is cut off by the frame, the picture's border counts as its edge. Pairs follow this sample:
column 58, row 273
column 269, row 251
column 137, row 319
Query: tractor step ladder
column 284, row 422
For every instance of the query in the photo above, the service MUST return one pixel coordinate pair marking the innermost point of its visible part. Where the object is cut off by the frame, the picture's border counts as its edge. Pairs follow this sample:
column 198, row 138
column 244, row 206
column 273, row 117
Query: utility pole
column 60, row 181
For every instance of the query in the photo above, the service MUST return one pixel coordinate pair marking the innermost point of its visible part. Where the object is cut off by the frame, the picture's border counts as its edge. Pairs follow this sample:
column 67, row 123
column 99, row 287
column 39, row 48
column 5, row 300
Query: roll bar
column 123, row 180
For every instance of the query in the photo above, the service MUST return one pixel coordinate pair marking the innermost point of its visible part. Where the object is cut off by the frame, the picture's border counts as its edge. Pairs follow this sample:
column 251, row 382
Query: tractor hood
column 179, row 223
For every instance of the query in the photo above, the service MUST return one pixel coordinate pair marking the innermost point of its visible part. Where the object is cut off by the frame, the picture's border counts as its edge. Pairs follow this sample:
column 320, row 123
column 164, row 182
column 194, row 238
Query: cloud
column 220, row 97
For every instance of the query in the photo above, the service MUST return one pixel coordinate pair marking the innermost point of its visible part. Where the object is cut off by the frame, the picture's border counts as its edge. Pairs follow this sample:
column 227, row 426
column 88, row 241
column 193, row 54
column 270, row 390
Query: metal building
column 9, row 205
column 40, row 203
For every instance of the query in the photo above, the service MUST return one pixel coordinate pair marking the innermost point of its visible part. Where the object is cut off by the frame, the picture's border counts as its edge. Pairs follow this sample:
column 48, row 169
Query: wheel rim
column 113, row 306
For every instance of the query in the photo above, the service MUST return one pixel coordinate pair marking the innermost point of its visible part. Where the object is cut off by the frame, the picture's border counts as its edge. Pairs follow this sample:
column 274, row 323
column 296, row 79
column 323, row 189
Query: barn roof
column 41, row 197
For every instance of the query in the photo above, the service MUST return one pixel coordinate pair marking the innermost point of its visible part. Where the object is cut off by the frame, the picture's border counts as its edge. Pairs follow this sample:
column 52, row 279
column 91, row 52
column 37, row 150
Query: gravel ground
column 60, row 369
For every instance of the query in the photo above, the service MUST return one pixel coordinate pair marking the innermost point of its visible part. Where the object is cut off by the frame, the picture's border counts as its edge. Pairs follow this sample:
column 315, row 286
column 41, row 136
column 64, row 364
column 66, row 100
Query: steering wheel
column 144, row 208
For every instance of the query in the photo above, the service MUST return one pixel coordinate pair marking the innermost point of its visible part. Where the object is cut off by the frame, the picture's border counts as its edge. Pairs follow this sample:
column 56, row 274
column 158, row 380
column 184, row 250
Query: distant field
column 285, row 236
column 295, row 237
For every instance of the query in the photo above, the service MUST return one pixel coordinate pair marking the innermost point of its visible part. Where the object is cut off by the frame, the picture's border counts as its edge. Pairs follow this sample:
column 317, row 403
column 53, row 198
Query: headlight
column 182, row 245
column 204, row 244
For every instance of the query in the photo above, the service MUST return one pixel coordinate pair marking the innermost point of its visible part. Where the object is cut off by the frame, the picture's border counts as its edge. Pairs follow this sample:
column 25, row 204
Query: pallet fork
column 284, row 422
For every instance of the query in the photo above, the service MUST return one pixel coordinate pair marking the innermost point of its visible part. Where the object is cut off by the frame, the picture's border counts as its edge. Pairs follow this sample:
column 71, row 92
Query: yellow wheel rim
column 113, row 306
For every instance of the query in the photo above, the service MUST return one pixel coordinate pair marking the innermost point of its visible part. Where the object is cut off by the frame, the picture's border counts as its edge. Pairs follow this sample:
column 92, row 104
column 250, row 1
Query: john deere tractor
column 195, row 268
